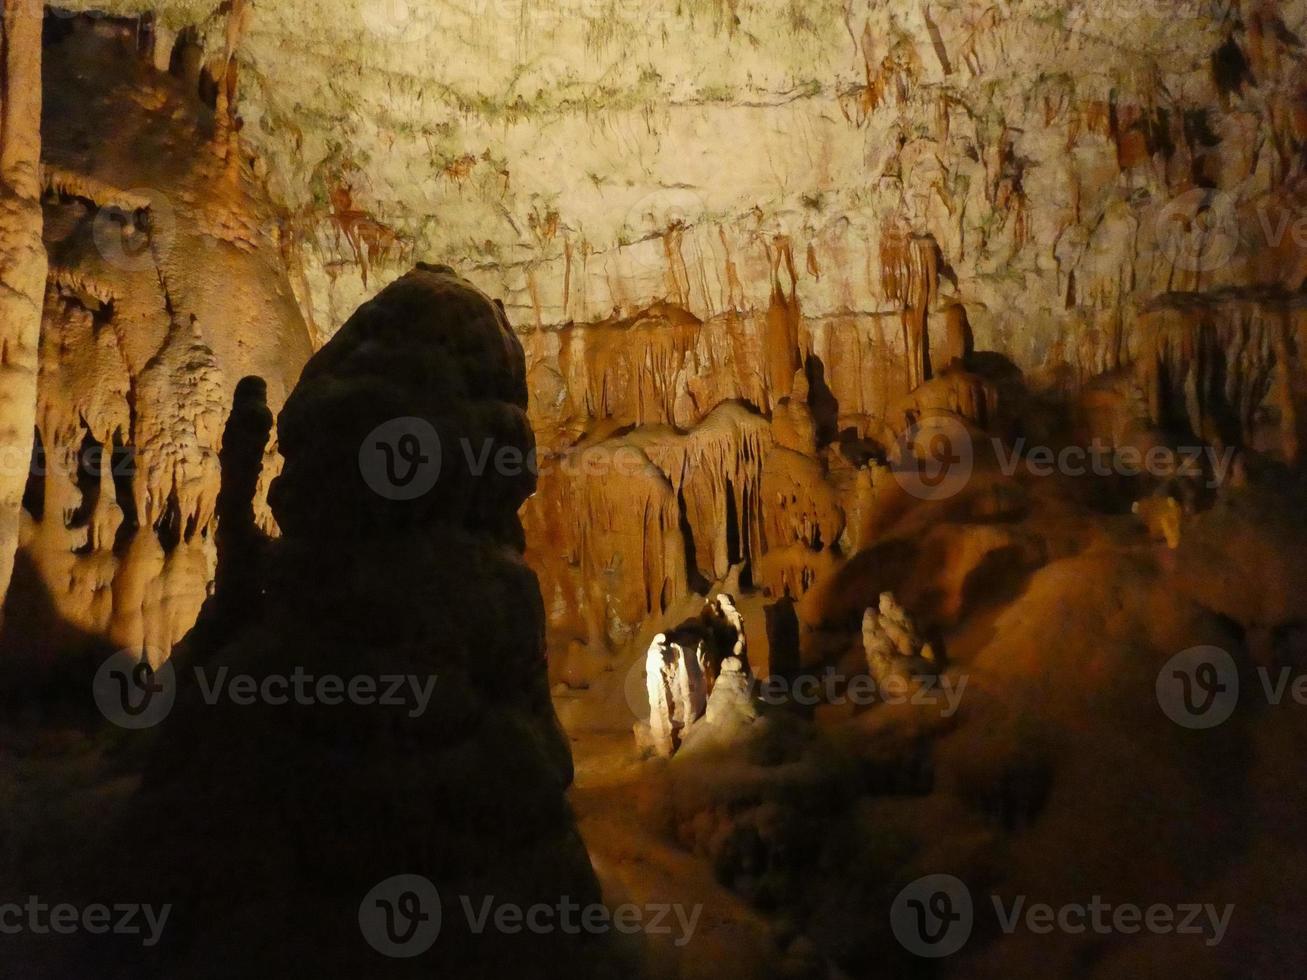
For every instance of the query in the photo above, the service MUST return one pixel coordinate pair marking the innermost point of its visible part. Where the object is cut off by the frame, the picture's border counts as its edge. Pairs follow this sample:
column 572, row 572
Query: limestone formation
column 1114, row 223
column 308, row 803
column 242, row 547
column 758, row 255
column 22, row 260
column 892, row 644
column 678, row 694
column 725, row 607
column 730, row 706
column 731, row 713
column 166, row 286
column 683, row 670
column 1163, row 517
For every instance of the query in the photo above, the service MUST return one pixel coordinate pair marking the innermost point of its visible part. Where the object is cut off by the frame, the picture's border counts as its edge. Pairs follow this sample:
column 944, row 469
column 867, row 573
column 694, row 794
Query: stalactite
column 909, row 269
column 1224, row 369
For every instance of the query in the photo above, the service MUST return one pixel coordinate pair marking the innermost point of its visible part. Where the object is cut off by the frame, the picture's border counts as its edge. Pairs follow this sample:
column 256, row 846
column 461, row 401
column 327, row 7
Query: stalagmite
column 678, row 695
column 659, row 673
column 892, row 643
column 241, row 545
column 726, row 609
column 459, row 779
column 730, row 706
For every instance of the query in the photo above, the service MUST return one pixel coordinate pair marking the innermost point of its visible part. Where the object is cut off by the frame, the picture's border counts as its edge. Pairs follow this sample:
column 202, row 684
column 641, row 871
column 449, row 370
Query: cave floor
column 634, row 865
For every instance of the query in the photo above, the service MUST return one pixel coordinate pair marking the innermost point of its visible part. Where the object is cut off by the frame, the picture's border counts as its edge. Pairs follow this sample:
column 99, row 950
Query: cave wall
column 22, row 260
column 166, row 287
column 742, row 241
column 1038, row 161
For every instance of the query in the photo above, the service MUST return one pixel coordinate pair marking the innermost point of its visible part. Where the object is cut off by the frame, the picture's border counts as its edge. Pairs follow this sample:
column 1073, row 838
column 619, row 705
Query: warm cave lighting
column 655, row 489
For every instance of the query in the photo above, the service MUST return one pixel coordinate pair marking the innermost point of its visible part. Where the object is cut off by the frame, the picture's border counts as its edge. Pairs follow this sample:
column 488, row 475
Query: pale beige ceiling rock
column 548, row 148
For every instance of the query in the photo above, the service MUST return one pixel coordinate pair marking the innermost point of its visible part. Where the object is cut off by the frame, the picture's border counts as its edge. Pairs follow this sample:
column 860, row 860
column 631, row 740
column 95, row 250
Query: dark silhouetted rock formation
column 268, row 824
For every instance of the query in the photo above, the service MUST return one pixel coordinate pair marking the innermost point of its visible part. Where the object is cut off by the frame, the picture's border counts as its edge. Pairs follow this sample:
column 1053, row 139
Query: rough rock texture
column 308, row 806
column 682, row 671
column 731, row 712
column 886, row 210
column 22, row 260
column 167, row 285
column 892, row 644
column 677, row 685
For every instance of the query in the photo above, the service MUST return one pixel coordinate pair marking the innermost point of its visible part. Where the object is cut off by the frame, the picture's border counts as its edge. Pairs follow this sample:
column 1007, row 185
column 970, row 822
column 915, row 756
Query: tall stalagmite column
column 22, row 260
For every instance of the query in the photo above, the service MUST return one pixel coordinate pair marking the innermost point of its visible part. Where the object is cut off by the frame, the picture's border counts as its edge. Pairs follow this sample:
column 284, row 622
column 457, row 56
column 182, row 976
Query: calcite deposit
column 838, row 342
column 22, row 260
column 892, row 643
column 677, row 685
column 166, row 287
column 682, row 673
column 1087, row 208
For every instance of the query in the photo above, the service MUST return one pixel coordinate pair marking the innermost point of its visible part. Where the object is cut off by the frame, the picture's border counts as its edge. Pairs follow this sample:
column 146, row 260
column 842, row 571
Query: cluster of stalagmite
column 677, row 684
column 699, row 674
column 892, row 644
